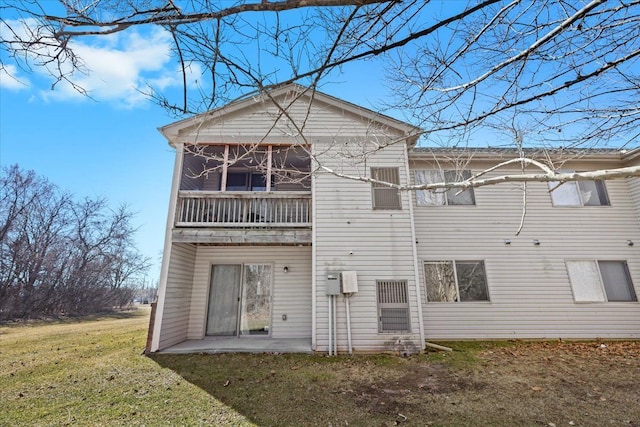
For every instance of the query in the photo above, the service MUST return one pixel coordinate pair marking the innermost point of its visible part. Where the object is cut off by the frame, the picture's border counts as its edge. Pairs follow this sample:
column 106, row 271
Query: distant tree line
column 61, row 256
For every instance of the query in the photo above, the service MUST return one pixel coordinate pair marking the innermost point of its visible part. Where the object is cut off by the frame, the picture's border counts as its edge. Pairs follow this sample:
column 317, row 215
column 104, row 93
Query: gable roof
column 172, row 131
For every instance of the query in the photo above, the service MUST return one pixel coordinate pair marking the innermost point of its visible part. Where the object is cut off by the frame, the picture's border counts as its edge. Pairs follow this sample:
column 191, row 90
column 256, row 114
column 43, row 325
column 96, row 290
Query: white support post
column 223, row 180
column 269, row 157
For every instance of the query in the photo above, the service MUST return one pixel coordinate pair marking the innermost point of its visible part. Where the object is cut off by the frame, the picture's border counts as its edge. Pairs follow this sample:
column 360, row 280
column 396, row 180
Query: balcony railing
column 243, row 209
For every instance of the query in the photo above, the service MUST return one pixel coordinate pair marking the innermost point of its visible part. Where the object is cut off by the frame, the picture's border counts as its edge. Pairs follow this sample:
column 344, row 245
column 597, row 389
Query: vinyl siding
column 177, row 300
column 529, row 288
column 291, row 290
column 634, row 188
column 256, row 124
column 351, row 235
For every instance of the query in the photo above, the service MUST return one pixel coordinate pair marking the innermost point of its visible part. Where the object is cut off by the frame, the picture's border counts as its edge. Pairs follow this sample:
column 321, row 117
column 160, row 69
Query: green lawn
column 91, row 372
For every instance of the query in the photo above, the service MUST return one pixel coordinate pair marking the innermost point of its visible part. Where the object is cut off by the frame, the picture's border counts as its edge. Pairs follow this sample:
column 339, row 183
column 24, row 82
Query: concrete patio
column 241, row 345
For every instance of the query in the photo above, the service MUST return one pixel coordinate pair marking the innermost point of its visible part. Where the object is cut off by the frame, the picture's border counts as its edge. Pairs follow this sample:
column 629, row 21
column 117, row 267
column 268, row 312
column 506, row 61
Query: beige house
column 269, row 247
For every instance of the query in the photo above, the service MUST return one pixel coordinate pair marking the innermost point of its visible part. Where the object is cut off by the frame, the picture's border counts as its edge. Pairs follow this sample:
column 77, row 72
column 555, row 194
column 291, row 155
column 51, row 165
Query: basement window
column 452, row 196
column 600, row 281
column 393, row 306
column 455, row 281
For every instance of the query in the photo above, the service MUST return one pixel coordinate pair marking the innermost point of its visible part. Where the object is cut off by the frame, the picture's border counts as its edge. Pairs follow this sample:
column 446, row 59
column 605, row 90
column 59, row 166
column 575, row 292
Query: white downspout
column 335, row 325
column 166, row 254
column 346, row 307
column 330, row 325
column 416, row 272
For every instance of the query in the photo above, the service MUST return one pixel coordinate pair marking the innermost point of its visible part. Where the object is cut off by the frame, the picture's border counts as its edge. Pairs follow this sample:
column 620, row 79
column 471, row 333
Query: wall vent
column 393, row 306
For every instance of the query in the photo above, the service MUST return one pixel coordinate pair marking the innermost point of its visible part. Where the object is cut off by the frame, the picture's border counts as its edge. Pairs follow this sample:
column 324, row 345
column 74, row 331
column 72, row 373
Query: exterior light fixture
column 629, row 242
column 536, row 242
column 507, row 241
column 285, row 269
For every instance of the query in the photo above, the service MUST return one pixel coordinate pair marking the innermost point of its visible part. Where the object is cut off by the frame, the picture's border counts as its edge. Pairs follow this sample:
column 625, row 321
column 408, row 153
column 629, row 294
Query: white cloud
column 116, row 68
column 120, row 71
column 11, row 79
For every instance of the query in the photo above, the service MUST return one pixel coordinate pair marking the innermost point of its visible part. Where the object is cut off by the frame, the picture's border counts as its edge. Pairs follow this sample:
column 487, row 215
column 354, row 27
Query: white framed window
column 393, row 306
column 455, row 281
column 579, row 193
column 600, row 281
column 383, row 196
column 452, row 196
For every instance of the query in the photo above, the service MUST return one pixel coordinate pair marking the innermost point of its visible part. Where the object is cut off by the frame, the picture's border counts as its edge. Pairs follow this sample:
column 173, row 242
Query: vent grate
column 392, row 292
column 393, row 306
column 394, row 319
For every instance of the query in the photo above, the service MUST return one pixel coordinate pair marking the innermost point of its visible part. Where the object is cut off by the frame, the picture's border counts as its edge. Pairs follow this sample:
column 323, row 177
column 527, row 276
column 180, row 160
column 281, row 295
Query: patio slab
column 242, row 345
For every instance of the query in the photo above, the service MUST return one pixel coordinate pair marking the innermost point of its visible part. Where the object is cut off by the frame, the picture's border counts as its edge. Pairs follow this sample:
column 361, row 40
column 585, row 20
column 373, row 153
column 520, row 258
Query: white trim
column 166, row 254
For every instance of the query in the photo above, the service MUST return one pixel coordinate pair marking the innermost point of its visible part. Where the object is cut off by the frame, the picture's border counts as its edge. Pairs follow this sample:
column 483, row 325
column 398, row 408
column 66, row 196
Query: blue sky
column 93, row 149
column 108, row 145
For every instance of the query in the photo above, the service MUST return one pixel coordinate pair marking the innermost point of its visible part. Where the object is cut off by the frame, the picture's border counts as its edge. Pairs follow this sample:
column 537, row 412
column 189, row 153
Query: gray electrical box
column 332, row 283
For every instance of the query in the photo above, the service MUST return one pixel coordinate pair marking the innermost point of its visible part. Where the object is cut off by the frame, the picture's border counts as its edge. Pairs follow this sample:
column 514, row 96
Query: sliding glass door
column 222, row 318
column 240, row 300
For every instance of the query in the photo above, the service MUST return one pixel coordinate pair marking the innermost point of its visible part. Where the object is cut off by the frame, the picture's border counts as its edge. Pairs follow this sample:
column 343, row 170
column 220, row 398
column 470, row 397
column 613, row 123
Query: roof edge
column 498, row 153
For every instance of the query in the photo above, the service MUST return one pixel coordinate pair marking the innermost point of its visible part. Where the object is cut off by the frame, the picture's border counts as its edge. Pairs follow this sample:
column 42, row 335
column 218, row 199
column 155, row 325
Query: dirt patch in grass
column 394, row 397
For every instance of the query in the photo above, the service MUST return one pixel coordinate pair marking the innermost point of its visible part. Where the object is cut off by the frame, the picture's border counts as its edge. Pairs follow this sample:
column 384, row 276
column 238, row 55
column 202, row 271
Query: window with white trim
column 451, row 196
column 383, row 196
column 579, row 193
column 455, row 281
column 393, row 306
column 600, row 281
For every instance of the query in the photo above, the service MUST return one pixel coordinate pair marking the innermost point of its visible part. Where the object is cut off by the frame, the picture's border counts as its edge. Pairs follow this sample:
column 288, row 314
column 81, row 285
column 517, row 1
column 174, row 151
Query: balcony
column 244, row 209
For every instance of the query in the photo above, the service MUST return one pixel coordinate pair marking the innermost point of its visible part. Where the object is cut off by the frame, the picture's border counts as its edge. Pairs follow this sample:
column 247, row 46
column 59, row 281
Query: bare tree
column 60, row 256
column 567, row 72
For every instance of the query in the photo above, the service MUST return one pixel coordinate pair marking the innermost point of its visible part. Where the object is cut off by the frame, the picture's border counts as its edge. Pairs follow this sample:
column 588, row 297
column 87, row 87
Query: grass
column 465, row 354
column 92, row 372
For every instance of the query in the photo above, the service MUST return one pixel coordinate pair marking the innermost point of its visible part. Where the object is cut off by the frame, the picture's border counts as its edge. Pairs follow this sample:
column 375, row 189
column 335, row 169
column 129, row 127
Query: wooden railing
column 243, row 209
